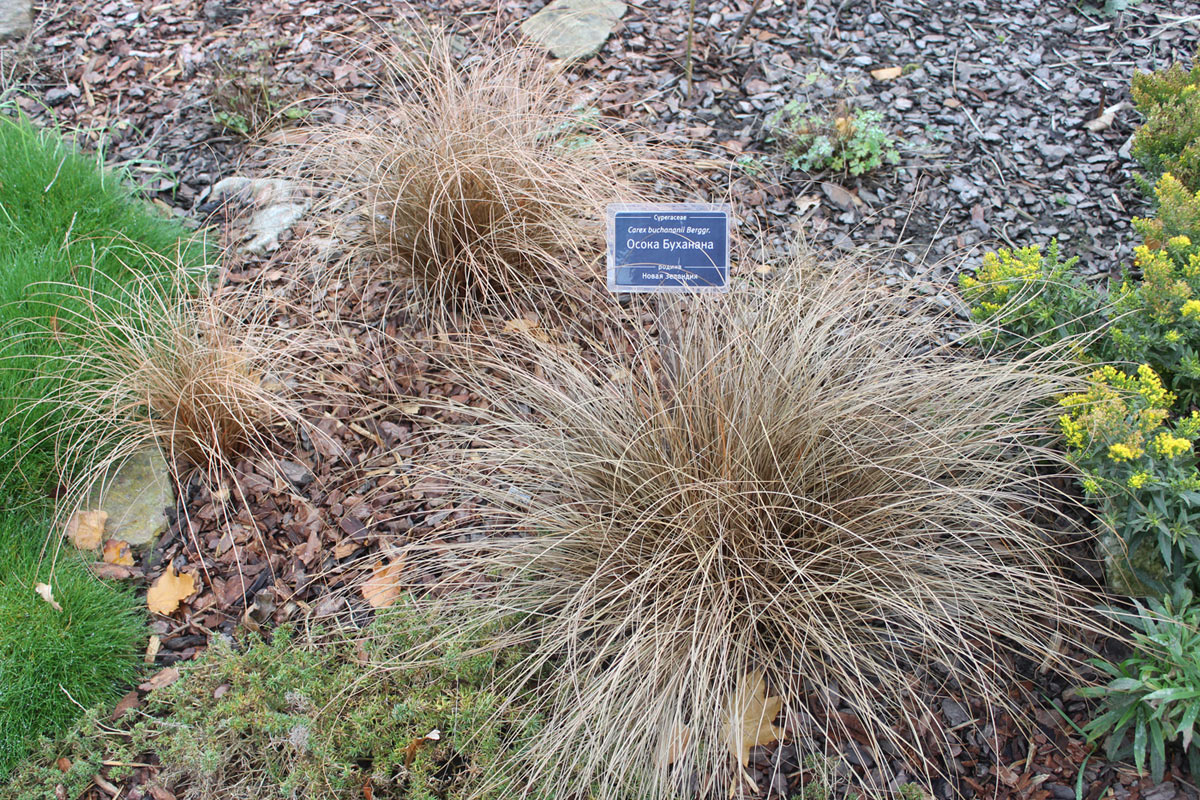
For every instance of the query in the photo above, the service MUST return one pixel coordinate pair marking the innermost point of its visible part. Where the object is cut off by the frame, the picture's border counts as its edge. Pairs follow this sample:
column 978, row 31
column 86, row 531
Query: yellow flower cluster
column 1003, row 270
column 1190, row 309
column 1138, row 479
column 1162, row 290
column 1169, row 446
column 1104, row 413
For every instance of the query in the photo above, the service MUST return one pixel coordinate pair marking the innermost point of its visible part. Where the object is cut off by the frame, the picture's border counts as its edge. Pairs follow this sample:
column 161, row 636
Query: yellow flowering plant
column 1169, row 141
column 1139, row 465
column 1030, row 299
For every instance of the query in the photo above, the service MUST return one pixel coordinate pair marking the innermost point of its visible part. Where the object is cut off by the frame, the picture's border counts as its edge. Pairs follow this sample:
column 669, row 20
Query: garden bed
column 993, row 105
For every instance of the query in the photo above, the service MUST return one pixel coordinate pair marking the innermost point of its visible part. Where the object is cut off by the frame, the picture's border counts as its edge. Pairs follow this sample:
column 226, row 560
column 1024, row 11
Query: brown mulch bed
column 996, row 151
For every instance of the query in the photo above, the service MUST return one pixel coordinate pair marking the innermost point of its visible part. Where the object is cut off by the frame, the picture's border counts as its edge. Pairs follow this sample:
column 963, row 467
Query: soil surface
column 1005, row 141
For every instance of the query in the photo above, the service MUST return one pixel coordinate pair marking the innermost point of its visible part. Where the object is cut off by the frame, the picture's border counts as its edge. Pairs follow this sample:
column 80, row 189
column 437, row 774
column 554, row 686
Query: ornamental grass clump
column 480, row 182
column 792, row 490
column 206, row 377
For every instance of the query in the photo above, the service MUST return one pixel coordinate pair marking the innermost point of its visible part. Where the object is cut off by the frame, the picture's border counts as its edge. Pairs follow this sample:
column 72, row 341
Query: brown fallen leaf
column 130, row 700
column 63, row 763
column 382, row 589
column 112, row 572
column 752, row 717
column 887, row 73
column 85, row 529
column 170, row 590
column 677, row 745
column 164, row 677
column 410, row 752
column 118, row 552
column 47, row 594
column 159, row 793
column 527, row 326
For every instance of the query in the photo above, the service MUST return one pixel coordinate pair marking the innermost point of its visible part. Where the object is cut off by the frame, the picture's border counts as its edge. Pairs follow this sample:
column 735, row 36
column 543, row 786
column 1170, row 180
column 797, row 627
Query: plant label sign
column 668, row 247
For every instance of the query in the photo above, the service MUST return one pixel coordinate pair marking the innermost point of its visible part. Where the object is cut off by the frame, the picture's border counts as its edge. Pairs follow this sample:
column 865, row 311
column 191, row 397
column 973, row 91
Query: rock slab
column 136, row 496
column 16, row 18
column 573, row 29
column 278, row 205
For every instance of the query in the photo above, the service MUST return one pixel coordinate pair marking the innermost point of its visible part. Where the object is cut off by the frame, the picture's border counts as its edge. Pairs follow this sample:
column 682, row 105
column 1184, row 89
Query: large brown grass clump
column 478, row 182
column 797, row 483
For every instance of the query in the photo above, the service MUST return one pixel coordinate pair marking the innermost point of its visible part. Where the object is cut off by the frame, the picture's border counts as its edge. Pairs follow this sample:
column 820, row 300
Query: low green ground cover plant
column 323, row 715
column 795, row 487
column 246, row 96
column 52, row 661
column 845, row 140
column 1153, row 697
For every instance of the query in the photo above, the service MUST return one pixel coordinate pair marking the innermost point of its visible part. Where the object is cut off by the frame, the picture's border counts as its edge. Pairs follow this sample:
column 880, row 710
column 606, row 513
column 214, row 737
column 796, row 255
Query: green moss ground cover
column 64, row 220
column 314, row 716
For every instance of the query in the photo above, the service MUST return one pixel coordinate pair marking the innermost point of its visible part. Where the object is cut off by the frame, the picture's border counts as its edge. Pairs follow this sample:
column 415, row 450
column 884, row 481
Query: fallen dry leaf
column 130, row 700
column 164, row 677
column 118, row 552
column 527, row 326
column 382, row 589
column 410, row 752
column 63, row 763
column 1105, row 120
column 752, row 720
column 887, row 73
column 47, row 594
column 680, row 736
column 85, row 529
column 170, row 590
column 112, row 572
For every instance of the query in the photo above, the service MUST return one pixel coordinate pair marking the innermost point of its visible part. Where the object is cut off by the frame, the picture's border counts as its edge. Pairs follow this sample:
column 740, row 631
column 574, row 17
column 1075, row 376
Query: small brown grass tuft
column 207, row 377
column 798, row 482
column 480, row 182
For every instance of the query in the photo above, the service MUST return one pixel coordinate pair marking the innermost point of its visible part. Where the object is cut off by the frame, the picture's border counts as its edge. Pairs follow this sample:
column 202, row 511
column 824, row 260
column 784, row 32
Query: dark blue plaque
column 668, row 247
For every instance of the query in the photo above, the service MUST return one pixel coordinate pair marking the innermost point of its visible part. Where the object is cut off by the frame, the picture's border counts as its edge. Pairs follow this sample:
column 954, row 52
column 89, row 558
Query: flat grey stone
column 136, row 496
column 573, row 29
column 278, row 206
column 16, row 18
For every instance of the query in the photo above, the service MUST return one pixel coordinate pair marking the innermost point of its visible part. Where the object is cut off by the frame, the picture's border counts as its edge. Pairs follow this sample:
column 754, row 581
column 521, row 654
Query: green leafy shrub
column 1153, row 697
column 1169, row 140
column 316, row 716
column 52, row 661
column 842, row 142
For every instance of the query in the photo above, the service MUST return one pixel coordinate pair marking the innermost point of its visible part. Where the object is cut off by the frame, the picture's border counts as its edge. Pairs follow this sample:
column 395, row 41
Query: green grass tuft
column 66, row 221
column 52, row 662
